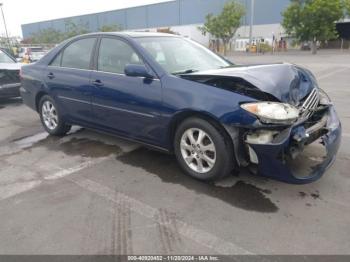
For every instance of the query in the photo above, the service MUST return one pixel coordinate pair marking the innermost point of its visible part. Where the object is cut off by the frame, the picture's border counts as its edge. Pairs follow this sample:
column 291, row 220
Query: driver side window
column 114, row 55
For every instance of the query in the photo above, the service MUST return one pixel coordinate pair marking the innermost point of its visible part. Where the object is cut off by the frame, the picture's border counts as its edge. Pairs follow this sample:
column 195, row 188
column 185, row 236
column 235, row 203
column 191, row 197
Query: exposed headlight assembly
column 273, row 113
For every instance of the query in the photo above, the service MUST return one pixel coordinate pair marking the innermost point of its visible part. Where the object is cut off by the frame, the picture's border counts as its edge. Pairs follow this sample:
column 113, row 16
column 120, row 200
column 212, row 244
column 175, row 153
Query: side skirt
column 153, row 147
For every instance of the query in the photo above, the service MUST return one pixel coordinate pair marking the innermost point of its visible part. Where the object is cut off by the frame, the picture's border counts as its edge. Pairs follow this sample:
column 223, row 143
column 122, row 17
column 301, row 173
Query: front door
column 128, row 105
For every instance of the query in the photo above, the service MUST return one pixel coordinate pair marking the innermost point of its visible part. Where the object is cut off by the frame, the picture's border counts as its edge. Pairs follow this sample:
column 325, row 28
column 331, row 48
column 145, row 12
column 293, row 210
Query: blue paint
column 145, row 109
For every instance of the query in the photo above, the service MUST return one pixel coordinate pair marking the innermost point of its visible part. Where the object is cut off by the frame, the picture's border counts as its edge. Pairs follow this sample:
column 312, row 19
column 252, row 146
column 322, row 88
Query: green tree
column 53, row 36
column 47, row 36
column 313, row 20
column 225, row 25
column 110, row 28
column 347, row 6
column 74, row 29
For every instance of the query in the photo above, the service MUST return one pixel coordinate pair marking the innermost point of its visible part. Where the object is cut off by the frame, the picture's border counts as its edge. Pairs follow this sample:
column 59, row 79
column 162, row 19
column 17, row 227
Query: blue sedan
column 172, row 94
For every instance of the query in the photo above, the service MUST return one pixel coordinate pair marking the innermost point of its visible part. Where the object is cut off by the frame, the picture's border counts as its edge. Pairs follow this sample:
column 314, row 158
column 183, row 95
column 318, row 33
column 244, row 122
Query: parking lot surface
column 89, row 193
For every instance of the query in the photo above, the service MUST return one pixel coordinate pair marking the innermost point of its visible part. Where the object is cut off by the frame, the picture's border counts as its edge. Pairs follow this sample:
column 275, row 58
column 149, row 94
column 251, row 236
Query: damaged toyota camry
column 174, row 95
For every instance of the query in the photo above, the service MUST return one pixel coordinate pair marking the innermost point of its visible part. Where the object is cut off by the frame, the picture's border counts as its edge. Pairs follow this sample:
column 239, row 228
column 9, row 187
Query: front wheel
column 51, row 118
column 202, row 150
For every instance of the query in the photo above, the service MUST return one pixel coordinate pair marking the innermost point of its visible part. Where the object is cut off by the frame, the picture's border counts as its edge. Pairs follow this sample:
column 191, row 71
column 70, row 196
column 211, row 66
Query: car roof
column 147, row 34
column 135, row 34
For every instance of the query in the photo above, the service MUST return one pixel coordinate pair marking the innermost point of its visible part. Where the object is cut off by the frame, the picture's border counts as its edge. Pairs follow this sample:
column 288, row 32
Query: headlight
column 273, row 113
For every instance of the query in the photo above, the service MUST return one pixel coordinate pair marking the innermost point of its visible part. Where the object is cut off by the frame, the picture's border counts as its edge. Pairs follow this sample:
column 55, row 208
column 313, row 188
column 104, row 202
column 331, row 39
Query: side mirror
column 137, row 71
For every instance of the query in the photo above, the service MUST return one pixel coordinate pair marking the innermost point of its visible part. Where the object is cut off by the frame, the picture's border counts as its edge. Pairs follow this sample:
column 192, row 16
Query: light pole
column 252, row 13
column 7, row 35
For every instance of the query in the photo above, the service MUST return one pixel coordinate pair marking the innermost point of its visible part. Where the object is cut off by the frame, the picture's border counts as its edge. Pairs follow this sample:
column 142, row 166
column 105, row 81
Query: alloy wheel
column 49, row 114
column 198, row 150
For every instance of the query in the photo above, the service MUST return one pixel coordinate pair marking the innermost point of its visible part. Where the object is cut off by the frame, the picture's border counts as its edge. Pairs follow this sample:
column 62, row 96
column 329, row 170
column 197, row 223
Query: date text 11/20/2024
column 173, row 258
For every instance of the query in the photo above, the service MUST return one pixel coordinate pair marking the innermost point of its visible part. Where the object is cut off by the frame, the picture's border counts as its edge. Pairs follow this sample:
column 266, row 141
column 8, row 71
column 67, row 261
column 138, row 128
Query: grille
column 310, row 104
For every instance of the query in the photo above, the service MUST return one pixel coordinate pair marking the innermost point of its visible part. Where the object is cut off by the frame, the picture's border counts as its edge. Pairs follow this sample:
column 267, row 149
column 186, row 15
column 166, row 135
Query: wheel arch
column 182, row 116
column 38, row 97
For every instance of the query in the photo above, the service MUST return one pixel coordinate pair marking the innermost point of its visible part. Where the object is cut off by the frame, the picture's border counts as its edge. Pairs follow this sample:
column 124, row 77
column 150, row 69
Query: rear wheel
column 202, row 150
column 51, row 118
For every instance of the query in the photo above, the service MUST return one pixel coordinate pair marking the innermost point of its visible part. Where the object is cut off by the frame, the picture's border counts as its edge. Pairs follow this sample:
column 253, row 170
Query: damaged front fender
column 272, row 157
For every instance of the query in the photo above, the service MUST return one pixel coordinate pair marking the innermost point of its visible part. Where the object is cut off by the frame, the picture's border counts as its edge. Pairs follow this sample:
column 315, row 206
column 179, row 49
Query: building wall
column 176, row 13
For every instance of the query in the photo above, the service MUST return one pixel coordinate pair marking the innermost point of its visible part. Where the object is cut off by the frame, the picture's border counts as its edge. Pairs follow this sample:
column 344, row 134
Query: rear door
column 68, row 79
column 128, row 105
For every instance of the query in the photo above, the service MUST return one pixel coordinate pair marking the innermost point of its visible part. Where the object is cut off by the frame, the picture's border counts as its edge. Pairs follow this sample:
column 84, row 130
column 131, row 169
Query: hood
column 10, row 66
column 285, row 82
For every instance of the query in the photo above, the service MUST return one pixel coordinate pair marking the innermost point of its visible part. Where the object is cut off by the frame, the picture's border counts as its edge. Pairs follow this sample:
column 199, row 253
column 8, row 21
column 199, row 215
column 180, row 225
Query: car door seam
column 109, row 107
column 124, row 110
column 74, row 100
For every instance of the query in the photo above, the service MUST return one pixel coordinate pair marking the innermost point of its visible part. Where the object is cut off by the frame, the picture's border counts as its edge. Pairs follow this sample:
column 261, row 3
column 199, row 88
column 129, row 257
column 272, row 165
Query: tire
column 52, row 121
column 202, row 162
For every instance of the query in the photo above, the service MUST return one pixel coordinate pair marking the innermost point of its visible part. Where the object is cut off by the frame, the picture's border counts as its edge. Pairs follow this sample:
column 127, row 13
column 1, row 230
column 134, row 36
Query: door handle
column 97, row 83
column 51, row 75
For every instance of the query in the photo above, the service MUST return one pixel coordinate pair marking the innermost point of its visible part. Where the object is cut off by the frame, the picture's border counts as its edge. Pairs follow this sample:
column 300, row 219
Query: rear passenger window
column 78, row 54
column 114, row 55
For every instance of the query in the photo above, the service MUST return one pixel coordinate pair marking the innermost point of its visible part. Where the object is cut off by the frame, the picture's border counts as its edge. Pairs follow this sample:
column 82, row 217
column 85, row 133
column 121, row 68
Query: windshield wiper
column 184, row 72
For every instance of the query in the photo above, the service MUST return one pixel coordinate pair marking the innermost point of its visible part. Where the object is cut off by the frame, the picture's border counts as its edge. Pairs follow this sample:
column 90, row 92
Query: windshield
column 4, row 58
column 178, row 55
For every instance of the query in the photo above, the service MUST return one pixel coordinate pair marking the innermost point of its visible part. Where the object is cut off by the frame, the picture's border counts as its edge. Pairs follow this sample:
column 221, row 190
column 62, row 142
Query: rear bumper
column 10, row 90
column 272, row 157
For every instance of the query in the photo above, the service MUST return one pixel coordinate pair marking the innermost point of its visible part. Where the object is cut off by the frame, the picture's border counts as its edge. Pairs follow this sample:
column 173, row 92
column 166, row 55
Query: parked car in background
column 32, row 53
column 37, row 55
column 306, row 46
column 175, row 95
column 9, row 75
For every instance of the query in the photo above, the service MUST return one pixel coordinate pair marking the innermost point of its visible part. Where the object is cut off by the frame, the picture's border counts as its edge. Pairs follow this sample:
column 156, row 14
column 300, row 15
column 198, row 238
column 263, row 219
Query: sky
column 18, row 12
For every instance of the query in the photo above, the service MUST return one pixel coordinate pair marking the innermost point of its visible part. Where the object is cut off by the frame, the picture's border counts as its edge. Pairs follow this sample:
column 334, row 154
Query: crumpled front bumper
column 272, row 165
